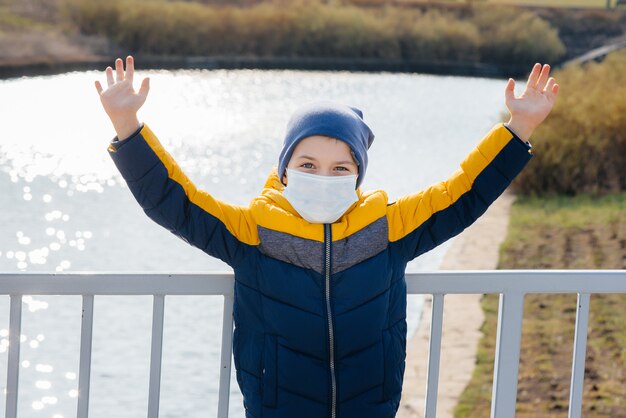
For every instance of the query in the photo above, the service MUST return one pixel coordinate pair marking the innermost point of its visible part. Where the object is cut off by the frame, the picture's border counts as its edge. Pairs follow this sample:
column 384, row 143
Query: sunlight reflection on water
column 64, row 207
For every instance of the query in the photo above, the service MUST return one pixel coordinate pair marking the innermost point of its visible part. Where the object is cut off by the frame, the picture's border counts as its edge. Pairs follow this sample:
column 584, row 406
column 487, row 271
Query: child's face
column 322, row 156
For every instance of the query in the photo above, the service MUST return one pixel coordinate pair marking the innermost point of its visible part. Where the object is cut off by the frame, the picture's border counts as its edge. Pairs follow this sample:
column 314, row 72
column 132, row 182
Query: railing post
column 84, row 368
column 434, row 355
column 156, row 354
column 578, row 362
column 504, row 393
column 13, row 370
column 225, row 362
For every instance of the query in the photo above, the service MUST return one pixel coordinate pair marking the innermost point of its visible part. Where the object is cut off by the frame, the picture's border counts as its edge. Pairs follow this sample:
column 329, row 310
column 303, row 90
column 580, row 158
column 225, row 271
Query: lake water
column 64, row 208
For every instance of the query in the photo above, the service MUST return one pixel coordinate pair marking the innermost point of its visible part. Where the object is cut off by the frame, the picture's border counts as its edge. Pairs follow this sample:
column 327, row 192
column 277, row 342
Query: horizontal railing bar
column 517, row 281
column 210, row 283
column 117, row 283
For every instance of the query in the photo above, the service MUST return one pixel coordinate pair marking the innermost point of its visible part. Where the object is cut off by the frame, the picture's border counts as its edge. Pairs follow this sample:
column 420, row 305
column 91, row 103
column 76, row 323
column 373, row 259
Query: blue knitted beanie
column 330, row 119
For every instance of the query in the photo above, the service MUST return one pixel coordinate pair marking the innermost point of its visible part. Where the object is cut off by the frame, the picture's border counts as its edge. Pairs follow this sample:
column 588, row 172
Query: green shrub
column 581, row 147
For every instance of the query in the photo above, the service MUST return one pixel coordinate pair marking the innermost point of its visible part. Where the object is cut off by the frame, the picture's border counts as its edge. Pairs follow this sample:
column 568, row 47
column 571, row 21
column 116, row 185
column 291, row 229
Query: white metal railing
column 511, row 285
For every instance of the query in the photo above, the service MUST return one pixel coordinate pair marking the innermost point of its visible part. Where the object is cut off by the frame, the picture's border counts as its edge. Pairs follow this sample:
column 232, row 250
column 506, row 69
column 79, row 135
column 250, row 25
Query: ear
column 285, row 178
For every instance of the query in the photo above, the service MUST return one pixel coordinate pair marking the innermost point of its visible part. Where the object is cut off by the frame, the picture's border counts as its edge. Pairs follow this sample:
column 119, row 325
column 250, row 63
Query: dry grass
column 314, row 29
column 447, row 32
column 32, row 33
column 537, row 3
column 39, row 47
column 560, row 233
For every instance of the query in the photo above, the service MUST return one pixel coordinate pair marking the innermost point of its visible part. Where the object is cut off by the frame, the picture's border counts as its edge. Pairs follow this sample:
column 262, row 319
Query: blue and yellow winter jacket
column 319, row 311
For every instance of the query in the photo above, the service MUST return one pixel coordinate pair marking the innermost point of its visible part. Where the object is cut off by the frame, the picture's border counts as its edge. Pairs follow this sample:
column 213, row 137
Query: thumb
column 145, row 87
column 509, row 91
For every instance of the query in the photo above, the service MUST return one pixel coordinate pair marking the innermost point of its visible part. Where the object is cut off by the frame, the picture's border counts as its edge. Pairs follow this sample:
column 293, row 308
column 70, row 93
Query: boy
column 320, row 296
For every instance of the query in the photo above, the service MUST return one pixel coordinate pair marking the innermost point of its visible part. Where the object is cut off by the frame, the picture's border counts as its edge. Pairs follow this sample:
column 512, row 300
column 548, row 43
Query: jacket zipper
column 333, row 383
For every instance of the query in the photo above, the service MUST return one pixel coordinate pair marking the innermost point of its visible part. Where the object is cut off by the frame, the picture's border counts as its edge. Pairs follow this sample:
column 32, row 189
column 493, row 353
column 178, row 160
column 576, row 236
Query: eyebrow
column 336, row 162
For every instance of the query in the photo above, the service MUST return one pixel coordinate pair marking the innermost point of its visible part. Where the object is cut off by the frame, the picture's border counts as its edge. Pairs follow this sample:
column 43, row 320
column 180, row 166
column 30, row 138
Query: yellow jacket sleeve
column 419, row 222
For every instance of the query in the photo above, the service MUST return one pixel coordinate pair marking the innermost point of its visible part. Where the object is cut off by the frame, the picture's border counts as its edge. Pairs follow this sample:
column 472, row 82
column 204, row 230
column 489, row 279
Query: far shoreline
column 44, row 66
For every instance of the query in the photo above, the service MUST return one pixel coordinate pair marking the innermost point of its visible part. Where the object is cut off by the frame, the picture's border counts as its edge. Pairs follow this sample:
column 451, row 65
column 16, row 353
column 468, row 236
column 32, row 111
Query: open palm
column 534, row 104
column 120, row 100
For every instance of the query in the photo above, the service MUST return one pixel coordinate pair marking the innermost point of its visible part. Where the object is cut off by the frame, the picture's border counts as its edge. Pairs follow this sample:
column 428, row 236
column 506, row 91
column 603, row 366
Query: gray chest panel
column 301, row 252
column 360, row 246
column 309, row 254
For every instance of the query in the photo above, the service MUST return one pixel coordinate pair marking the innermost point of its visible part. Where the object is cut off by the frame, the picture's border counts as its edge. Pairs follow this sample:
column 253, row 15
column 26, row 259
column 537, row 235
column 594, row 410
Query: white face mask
column 320, row 199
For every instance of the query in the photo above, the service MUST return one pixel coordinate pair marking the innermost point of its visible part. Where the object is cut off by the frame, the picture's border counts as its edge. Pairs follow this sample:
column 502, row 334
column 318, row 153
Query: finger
column 130, row 69
column 534, row 76
column 555, row 91
column 543, row 77
column 551, row 83
column 145, row 87
column 109, row 73
column 119, row 70
column 509, row 91
column 99, row 88
column 552, row 93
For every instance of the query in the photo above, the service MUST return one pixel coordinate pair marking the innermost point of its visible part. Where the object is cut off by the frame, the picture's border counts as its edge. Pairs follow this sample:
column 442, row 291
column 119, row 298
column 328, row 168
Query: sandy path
column 477, row 248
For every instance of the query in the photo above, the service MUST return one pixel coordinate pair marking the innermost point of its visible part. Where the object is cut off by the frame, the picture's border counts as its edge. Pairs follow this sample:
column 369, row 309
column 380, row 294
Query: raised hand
column 535, row 103
column 120, row 101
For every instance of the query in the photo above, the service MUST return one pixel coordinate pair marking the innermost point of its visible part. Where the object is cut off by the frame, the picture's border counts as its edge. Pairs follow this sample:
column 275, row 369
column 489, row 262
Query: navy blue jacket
column 319, row 312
